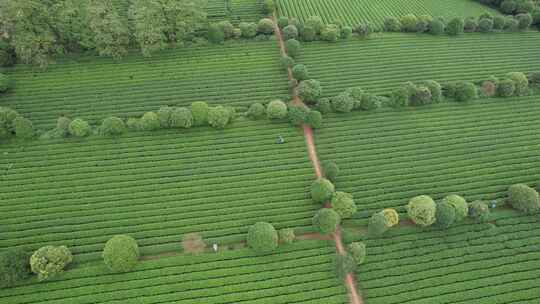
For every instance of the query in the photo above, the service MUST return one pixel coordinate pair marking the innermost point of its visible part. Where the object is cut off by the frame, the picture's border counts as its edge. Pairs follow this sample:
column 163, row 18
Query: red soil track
column 350, row 281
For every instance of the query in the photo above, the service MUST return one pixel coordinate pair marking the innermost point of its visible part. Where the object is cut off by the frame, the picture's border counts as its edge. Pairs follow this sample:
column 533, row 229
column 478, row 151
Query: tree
column 344, row 264
column 506, row 88
column 470, row 25
column 392, row 24
column 265, row 26
column 227, row 28
column 164, row 115
column 524, row 21
column 316, row 23
column 455, row 26
column 459, row 204
column 369, row 102
column 485, row 25
column 49, row 261
column 287, row 62
column 193, row 243
column 286, row 235
column 308, row 33
column 465, row 91
column 183, row 18
column 524, row 198
column 326, row 220
column 62, row 126
column 218, row 117
column 121, row 253
column 283, row 21
column 445, row 215
column 330, row 33
column 435, row 89
column 300, row 72
column 276, row 109
column 248, row 29
column 4, row 83
column 268, row 6
column 150, row 121
column 324, row 106
column 14, row 267
column 256, row 110
column 536, row 15
column 322, row 190
column 23, row 127
column 391, row 216
column 290, row 32
column 400, row 97
column 346, row 32
column 421, row 210
column 479, row 211
column 377, row 225
column 408, row 23
column 508, row 6
column 298, row 114
column 511, row 24
column 199, row 110
column 216, row 34
column 358, row 251
column 498, row 22
column 181, row 117
column 437, row 27
column 343, row 203
column 79, row 128
column 315, row 119
column 110, row 30
column 421, row 96
column 364, row 29
column 262, row 238
column 293, row 47
column 331, row 170
column 112, row 126
column 310, row 91
column 521, row 82
column 149, row 25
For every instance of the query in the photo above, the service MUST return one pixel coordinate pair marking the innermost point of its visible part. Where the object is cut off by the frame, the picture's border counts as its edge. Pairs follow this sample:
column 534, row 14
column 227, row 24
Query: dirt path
column 350, row 281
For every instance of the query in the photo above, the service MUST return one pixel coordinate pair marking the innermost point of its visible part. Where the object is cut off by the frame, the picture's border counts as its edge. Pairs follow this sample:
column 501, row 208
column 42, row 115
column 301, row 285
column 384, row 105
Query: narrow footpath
column 350, row 281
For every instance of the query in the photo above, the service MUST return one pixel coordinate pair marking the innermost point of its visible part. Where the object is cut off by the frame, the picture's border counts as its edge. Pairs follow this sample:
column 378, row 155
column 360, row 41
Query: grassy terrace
column 154, row 186
column 383, row 63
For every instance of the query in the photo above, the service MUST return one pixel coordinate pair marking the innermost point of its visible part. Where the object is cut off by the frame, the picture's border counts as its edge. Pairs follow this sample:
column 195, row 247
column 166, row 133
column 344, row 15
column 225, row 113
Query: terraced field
column 497, row 262
column 476, row 150
column 383, row 63
column 354, row 12
column 294, row 274
column 155, row 187
column 93, row 88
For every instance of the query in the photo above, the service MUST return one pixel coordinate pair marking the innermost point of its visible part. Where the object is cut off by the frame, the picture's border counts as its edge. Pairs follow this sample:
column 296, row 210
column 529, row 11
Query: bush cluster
column 121, row 253
column 262, row 238
column 381, row 221
column 344, row 205
column 14, row 124
column 224, row 30
column 417, row 94
column 49, row 261
column 301, row 114
column 326, row 220
column 14, row 267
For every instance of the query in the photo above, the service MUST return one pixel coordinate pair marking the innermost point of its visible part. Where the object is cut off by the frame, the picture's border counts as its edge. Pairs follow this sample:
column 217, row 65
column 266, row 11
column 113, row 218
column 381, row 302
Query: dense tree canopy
column 121, row 253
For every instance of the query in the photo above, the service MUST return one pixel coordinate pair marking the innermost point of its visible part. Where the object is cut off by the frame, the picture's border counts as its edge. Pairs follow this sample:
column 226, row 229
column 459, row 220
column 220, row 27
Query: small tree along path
column 310, row 142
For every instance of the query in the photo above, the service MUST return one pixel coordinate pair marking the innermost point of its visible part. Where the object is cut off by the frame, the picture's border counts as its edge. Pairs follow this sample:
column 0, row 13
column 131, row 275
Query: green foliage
column 310, row 91
column 435, row 89
column 326, row 220
column 268, row 6
column 421, row 210
column 216, row 34
column 149, row 25
column 308, row 33
column 4, row 83
column 62, row 126
column 408, row 23
column 218, row 117
column 369, row 102
column 455, row 26
column 298, row 114
column 331, row 170
column 324, row 106
column 300, row 72
column 459, row 204
column 199, row 110
column 290, row 32
column 49, row 261
column 392, row 24
column 479, row 211
column 346, row 32
column 181, row 117
column 511, row 24
column 343, row 102
column 164, row 115
column 498, row 22
column 248, row 29
column 79, row 128
column 109, row 29
column 256, row 111
column 14, row 267
column 121, row 253
column 315, row 119
column 282, row 22
column 286, row 235
column 293, row 47
column 364, row 29
column 344, row 264
column 23, row 128
column 377, row 225
column 262, row 238
column 331, row 33
column 508, row 6
column 322, row 190
column 276, row 109
column 506, row 88
column 112, row 126
column 524, row 198
column 421, row 96
column 265, row 26
column 445, row 215
column 343, row 203
column 485, row 25
column 465, row 91
column 521, row 82
column 287, row 62
column 437, row 27
column 358, row 251
column 400, row 97
column 316, row 23
column 524, row 21
column 150, row 121
column 470, row 25
column 227, row 28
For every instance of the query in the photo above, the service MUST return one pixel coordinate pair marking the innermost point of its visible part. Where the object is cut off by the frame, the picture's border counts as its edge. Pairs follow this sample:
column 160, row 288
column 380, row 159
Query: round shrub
column 511, row 24
column 315, row 119
column 134, row 124
column 62, row 126
column 293, row 47
column 421, row 210
column 268, row 6
column 290, row 32
column 459, row 204
column 262, row 238
column 421, row 96
column 377, row 225
column 265, row 26
column 365, row 29
column 358, row 251
column 150, row 121
column 445, row 215
column 310, row 91
column 521, row 82
column 316, row 23
column 49, row 261
column 465, row 91
column 164, row 115
column 308, row 33
column 479, row 211
column 283, row 22
column 344, row 264
column 506, row 88
column 4, row 83
column 300, row 72
column 216, row 34
column 498, row 22
column 218, row 117
column 227, row 28
column 399, row 97
column 112, row 126
column 470, row 25
column 287, row 62
column 256, row 110
column 326, row 220
column 485, row 25
column 286, row 235
column 331, row 170
column 357, row 94
column 524, row 21
column 298, row 114
column 181, row 117
column 276, row 109
column 199, row 110
column 437, row 27
column 330, row 33
column 14, row 267
column 248, row 29
column 534, row 78
column 79, row 128
column 324, row 106
column 536, row 15
column 524, row 198
column 435, row 89
column 232, row 113
column 346, row 32
column 408, row 23
column 369, row 102
column 121, row 253
column 525, row 6
column 392, row 24
column 391, row 216
column 322, row 190
column 455, row 26
column 343, row 203
column 343, row 103
column 23, row 128
column 508, row 6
